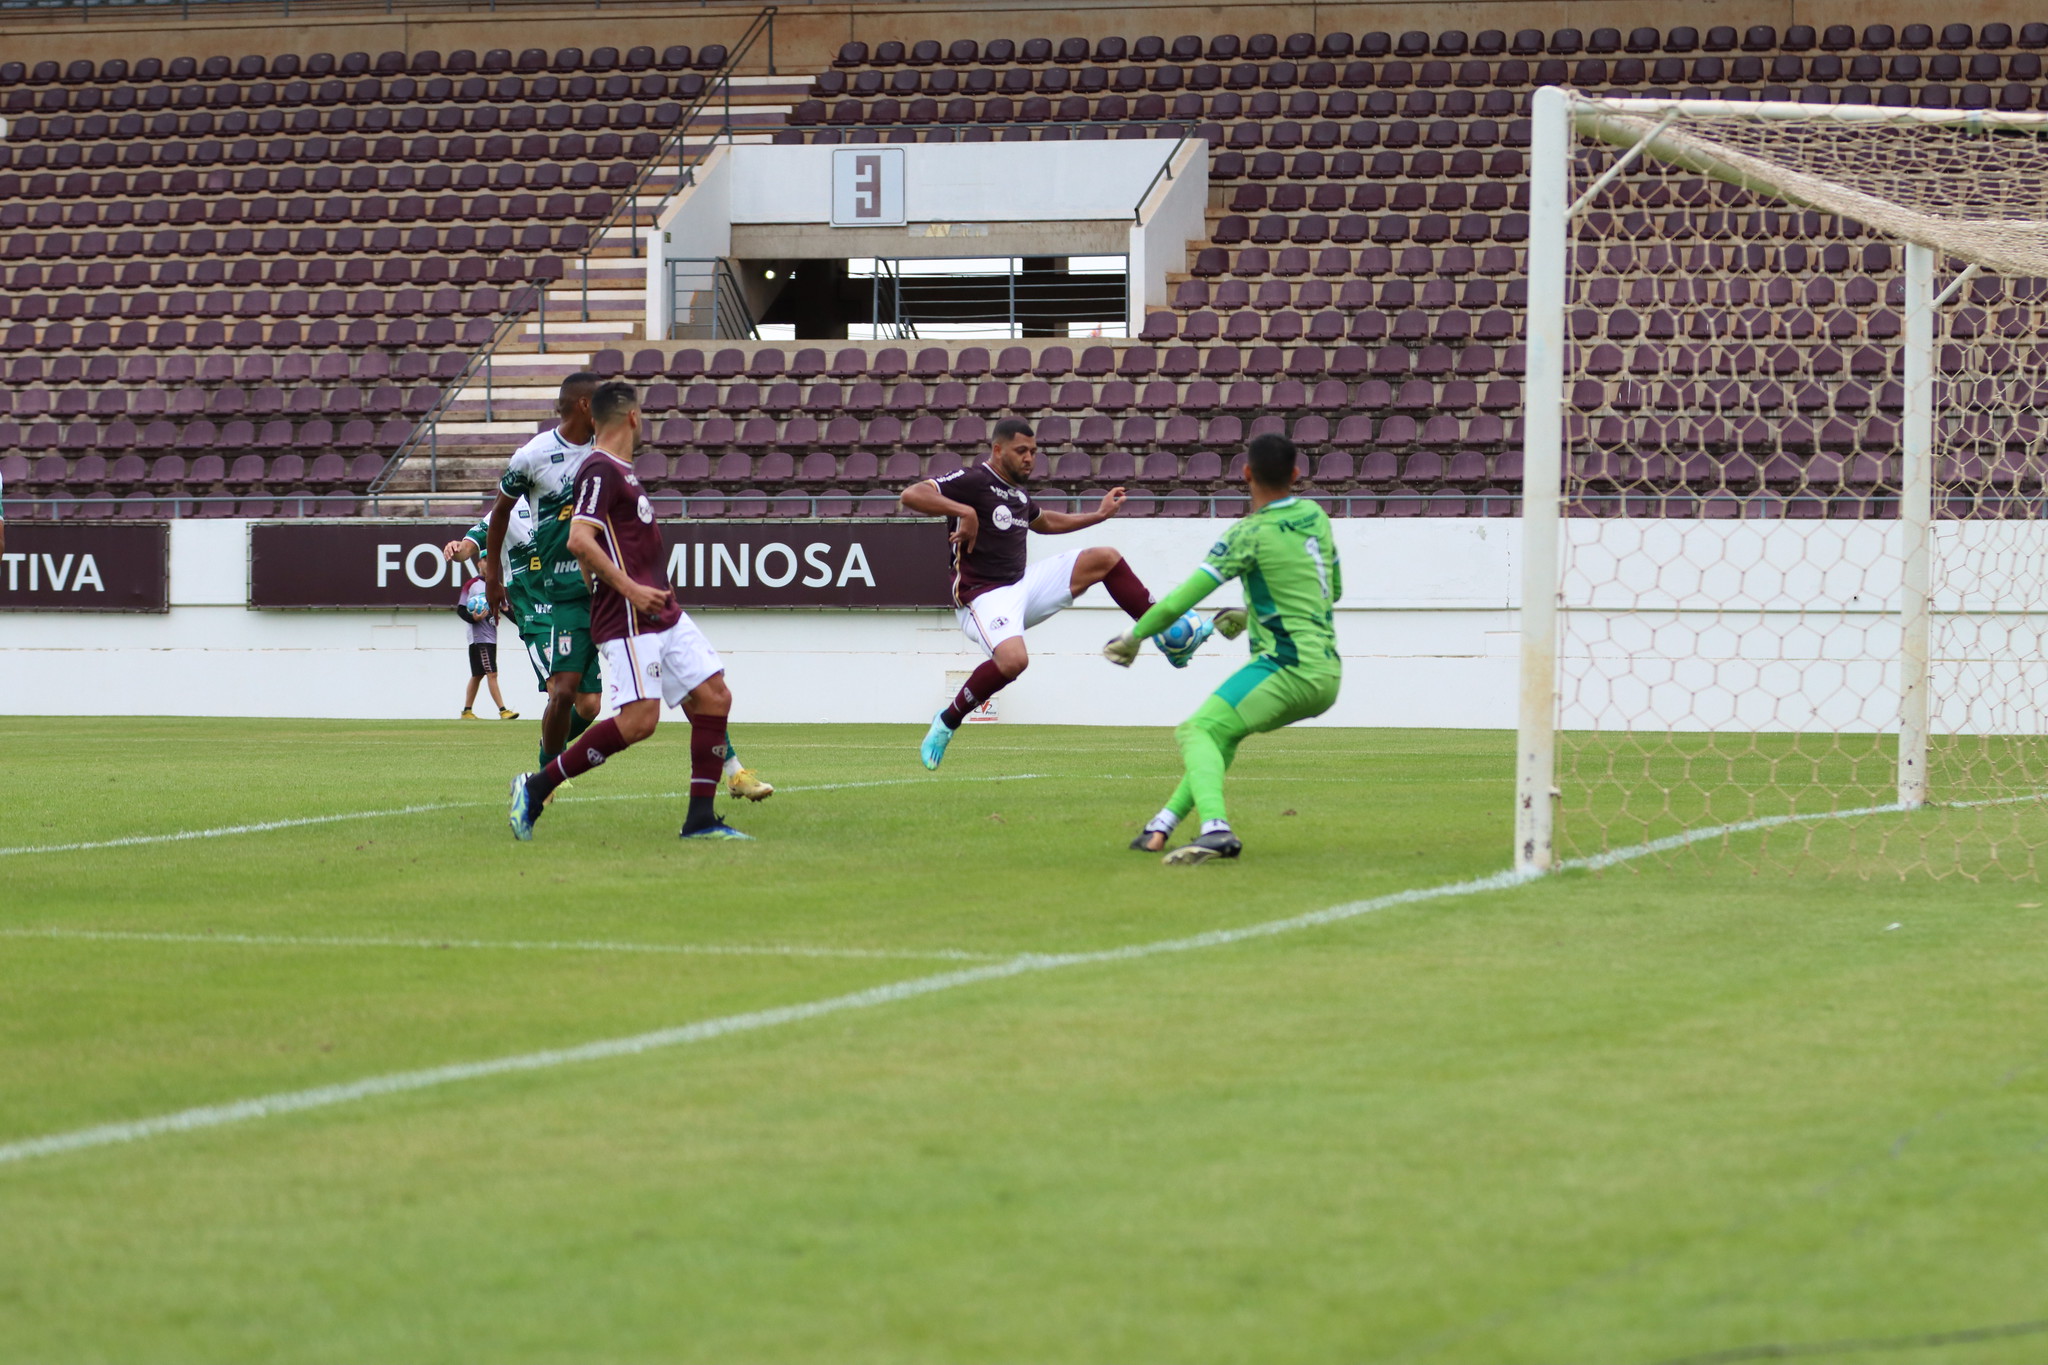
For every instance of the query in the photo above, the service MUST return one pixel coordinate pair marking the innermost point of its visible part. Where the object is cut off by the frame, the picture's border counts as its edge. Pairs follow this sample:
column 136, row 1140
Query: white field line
column 264, row 826
column 498, row 945
column 326, row 1096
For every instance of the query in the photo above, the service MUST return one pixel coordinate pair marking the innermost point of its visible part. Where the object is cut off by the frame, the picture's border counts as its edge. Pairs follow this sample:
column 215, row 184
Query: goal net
column 1785, row 581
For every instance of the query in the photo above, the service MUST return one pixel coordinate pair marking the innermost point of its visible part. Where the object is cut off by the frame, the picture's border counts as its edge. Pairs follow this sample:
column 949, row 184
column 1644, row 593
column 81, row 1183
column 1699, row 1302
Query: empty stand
column 209, row 268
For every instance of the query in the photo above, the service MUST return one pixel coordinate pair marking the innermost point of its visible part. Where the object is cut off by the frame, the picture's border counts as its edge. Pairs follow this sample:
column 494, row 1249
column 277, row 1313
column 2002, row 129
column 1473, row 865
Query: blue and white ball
column 1180, row 637
column 476, row 605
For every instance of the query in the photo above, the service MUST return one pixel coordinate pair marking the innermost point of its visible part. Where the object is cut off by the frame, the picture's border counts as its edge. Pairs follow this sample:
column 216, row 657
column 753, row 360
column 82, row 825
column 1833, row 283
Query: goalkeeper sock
column 600, row 743
column 1163, row 823
column 1215, row 826
column 983, row 683
column 1129, row 593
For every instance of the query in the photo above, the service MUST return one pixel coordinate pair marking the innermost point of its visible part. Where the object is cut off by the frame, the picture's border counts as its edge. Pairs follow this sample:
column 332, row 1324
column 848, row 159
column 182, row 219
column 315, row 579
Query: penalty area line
column 397, row 1083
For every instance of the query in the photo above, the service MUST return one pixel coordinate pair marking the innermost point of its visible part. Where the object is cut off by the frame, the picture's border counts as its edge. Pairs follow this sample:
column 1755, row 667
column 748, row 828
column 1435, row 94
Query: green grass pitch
column 1651, row 1115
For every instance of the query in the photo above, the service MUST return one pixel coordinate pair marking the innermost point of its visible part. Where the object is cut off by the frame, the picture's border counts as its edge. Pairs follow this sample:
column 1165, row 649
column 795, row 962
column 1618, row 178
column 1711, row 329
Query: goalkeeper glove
column 1122, row 650
column 1231, row 622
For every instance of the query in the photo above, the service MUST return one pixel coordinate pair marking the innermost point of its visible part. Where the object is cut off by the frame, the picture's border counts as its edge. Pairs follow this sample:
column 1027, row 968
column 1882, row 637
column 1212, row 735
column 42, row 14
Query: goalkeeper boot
column 933, row 750
column 1179, row 641
column 746, row 784
column 717, row 829
column 1217, row 843
column 1231, row 622
column 525, row 810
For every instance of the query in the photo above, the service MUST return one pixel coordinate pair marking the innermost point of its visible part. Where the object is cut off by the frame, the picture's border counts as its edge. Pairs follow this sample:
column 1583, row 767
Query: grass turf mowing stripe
column 320, row 1097
column 264, row 826
column 546, row 946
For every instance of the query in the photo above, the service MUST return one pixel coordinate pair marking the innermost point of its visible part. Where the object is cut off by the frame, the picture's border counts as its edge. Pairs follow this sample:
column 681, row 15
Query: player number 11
column 1314, row 546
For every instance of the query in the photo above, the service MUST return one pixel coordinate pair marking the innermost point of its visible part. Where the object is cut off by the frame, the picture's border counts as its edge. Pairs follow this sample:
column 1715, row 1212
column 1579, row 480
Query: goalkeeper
column 1284, row 553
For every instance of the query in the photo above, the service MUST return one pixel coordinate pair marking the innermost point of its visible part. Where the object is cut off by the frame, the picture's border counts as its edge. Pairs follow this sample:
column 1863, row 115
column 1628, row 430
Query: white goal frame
column 1559, row 116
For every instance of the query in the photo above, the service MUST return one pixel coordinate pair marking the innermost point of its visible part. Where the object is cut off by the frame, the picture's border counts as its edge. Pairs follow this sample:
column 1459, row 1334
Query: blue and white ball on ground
column 1179, row 641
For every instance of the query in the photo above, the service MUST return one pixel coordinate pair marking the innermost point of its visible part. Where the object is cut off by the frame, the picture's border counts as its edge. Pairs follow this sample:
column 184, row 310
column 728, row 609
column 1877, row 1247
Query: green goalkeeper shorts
column 1267, row 694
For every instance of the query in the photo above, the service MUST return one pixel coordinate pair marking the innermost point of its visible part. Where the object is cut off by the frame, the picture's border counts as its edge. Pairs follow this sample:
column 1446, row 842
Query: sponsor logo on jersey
column 1003, row 518
column 644, row 510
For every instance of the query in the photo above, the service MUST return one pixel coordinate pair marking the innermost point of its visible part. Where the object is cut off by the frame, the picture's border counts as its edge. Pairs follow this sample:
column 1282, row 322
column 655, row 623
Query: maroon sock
column 982, row 684
column 585, row 752
column 1129, row 593
column 707, row 763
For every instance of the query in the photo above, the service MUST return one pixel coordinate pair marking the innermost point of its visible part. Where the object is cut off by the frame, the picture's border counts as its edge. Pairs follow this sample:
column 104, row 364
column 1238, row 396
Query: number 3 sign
column 867, row 187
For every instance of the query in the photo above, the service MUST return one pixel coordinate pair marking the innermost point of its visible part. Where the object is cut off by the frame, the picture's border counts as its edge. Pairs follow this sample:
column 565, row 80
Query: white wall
column 957, row 182
column 696, row 225
column 1174, row 214
column 1737, row 624
column 1426, row 629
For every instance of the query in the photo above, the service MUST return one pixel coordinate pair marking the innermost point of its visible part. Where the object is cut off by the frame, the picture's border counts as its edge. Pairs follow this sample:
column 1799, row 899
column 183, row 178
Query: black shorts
column 483, row 659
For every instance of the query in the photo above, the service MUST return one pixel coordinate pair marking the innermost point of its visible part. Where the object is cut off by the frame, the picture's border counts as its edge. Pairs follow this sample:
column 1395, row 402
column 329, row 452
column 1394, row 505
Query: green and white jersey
column 518, row 557
column 1287, row 558
column 544, row 473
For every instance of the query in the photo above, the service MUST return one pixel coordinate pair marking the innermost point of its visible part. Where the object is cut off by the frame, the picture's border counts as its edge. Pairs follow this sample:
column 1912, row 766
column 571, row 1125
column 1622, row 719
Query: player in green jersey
column 1285, row 555
column 542, row 474
column 521, row 562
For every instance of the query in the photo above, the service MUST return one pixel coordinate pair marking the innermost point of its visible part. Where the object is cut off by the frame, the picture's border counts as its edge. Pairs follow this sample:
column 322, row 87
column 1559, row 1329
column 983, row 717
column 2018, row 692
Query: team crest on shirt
column 654, row 670
column 645, row 509
column 1002, row 517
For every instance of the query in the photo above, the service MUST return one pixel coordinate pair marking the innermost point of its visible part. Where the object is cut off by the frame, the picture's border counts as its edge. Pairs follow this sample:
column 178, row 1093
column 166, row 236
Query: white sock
column 1215, row 826
column 1162, row 823
column 732, row 765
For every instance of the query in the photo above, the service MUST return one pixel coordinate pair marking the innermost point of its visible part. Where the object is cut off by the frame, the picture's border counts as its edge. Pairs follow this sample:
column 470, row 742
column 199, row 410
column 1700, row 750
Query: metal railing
column 888, row 283
column 706, row 302
column 535, row 297
column 670, row 504
column 83, row 10
column 1012, row 303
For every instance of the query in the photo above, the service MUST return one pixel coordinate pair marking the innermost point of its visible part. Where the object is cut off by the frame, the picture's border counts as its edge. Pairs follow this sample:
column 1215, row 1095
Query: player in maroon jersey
column 651, row 651
column 995, row 593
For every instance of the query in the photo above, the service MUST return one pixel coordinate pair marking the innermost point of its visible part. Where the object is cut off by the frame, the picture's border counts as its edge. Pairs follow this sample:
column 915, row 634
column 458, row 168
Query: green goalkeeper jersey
column 521, row 559
column 1287, row 559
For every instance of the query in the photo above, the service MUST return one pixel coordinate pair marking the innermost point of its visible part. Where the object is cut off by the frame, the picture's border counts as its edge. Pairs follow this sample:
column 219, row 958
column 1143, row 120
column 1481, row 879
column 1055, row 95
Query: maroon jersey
column 1004, row 511
column 609, row 498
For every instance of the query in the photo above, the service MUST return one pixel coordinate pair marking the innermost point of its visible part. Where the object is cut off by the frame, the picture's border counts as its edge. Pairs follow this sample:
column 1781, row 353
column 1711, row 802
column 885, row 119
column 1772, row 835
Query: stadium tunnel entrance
column 932, row 241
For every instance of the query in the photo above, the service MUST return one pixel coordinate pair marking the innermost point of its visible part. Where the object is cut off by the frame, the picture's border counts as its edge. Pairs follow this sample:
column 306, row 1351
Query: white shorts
column 665, row 664
column 1000, row 614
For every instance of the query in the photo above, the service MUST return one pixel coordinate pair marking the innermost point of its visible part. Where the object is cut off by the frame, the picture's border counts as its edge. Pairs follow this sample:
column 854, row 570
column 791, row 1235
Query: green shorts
column 1267, row 694
column 564, row 647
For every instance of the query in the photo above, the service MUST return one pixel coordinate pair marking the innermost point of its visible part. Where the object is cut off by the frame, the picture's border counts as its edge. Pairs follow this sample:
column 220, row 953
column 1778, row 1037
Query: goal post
column 1782, row 546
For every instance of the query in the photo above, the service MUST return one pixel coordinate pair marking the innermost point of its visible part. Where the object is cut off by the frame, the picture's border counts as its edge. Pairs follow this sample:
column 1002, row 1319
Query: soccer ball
column 475, row 605
column 1179, row 641
column 1179, row 637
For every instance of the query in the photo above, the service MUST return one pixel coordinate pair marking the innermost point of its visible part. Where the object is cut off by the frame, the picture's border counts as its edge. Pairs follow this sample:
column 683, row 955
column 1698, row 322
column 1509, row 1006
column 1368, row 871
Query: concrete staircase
column 461, row 456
